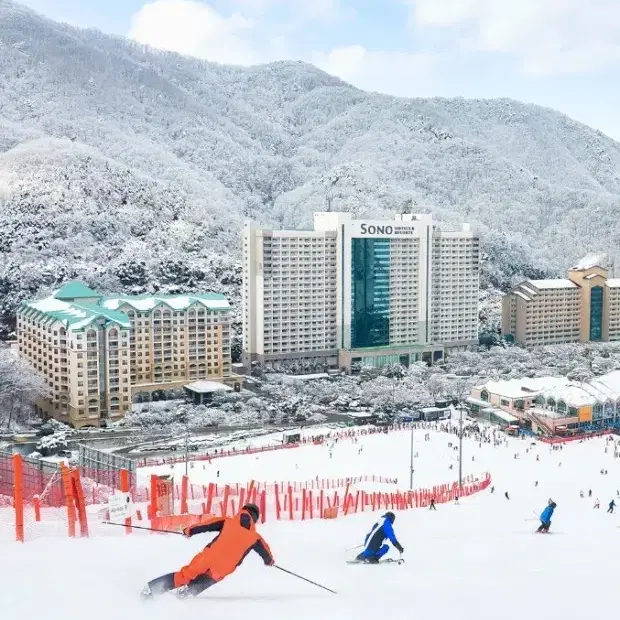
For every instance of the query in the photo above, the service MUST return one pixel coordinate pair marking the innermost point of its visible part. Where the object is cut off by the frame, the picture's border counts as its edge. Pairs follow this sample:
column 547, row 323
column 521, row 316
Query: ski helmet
column 253, row 510
column 390, row 516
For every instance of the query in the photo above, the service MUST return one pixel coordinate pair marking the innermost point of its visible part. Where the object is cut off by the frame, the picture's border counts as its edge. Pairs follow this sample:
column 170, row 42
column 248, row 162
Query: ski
column 387, row 561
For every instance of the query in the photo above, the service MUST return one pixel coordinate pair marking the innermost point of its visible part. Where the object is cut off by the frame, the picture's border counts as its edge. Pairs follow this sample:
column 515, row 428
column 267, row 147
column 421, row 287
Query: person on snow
column 374, row 546
column 432, row 506
column 612, row 505
column 236, row 537
column 545, row 517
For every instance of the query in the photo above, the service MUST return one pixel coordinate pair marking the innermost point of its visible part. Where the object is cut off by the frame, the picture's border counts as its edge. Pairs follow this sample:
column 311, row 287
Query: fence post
column 154, row 494
column 18, row 496
column 124, row 478
column 68, row 487
column 277, row 497
column 263, row 506
column 184, row 482
column 346, row 500
column 224, row 503
column 36, row 501
column 210, row 498
column 78, row 493
column 290, row 503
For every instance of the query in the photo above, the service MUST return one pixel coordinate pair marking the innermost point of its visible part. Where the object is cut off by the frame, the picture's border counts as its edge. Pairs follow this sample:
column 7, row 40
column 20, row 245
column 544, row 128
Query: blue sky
column 564, row 54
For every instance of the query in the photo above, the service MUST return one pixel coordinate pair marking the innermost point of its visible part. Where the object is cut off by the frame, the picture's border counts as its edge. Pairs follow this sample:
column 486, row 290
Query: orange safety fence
column 40, row 498
column 305, row 504
column 30, row 513
column 197, row 491
column 581, row 437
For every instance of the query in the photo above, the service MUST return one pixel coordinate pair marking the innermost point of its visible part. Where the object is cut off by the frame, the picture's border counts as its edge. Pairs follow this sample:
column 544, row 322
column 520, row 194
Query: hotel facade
column 97, row 352
column 359, row 291
column 581, row 308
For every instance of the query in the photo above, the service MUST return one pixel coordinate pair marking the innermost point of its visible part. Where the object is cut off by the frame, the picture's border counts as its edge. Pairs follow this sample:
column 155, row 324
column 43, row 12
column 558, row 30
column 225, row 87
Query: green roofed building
column 97, row 352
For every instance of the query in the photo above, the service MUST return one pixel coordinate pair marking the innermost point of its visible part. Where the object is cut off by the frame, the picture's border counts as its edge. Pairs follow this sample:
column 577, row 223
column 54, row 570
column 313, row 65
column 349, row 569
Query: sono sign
column 380, row 229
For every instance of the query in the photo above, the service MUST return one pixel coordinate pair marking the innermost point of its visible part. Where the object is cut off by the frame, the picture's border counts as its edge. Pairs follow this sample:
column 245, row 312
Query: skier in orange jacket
column 237, row 536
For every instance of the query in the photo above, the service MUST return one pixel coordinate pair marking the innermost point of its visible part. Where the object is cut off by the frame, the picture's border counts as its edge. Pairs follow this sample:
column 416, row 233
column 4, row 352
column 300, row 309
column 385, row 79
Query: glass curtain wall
column 596, row 313
column 370, row 294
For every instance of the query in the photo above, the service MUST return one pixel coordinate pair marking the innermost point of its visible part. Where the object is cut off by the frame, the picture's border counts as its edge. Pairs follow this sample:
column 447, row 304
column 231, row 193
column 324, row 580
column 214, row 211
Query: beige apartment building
column 584, row 307
column 97, row 352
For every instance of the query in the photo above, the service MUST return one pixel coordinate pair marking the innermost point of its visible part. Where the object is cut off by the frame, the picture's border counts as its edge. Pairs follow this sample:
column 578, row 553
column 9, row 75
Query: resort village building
column 583, row 307
column 553, row 405
column 96, row 352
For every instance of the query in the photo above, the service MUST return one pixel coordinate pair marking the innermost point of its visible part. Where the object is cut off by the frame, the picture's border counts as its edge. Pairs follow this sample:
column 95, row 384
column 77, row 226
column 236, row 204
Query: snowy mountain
column 133, row 170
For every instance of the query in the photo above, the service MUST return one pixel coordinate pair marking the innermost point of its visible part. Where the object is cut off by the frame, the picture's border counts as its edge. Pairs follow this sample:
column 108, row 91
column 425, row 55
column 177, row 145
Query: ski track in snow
column 478, row 560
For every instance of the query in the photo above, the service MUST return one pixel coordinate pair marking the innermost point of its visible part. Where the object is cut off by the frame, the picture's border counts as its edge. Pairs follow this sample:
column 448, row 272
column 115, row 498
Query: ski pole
column 141, row 527
column 314, row 583
column 354, row 548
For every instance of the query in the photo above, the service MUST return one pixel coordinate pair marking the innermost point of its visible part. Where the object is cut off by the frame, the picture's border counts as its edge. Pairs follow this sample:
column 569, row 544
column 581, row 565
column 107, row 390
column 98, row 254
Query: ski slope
column 475, row 560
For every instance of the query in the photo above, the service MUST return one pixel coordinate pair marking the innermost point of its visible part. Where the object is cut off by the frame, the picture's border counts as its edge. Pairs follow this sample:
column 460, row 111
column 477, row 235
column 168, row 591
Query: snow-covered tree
column 20, row 388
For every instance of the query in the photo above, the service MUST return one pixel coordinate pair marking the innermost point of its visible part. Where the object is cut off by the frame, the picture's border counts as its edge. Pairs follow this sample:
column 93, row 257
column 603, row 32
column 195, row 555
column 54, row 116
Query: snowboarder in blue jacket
column 374, row 547
column 545, row 517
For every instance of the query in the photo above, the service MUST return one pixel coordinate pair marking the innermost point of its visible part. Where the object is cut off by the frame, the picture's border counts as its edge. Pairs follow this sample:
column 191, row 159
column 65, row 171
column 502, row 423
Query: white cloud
column 305, row 10
column 193, row 28
column 398, row 73
column 548, row 36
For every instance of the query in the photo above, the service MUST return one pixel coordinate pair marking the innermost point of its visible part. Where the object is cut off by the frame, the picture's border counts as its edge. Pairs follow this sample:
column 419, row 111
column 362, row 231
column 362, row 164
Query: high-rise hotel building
column 359, row 291
column 585, row 307
column 96, row 352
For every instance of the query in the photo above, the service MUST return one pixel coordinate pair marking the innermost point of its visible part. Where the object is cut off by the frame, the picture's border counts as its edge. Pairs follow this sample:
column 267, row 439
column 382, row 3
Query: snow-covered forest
column 134, row 170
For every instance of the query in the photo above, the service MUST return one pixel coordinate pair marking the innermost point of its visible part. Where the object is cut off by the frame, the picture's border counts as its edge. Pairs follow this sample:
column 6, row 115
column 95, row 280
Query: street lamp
column 456, row 403
column 460, row 446
column 183, row 419
column 411, row 460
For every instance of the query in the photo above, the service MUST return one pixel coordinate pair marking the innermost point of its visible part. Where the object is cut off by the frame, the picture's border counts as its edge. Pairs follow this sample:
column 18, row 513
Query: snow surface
column 547, row 284
column 51, row 304
column 574, row 394
column 477, row 561
column 177, row 302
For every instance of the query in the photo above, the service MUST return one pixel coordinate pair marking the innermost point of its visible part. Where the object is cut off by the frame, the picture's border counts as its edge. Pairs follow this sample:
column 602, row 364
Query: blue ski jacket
column 381, row 530
column 546, row 514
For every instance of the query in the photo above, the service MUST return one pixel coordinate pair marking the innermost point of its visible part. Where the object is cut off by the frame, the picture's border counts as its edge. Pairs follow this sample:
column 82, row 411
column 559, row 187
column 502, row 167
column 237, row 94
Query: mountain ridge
column 169, row 155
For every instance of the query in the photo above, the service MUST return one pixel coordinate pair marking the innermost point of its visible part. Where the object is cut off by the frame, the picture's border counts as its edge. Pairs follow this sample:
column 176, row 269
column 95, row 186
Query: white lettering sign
column 120, row 507
column 383, row 229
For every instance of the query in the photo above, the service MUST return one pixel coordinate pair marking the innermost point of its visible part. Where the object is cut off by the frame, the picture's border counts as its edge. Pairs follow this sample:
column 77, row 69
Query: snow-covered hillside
column 134, row 170
column 475, row 561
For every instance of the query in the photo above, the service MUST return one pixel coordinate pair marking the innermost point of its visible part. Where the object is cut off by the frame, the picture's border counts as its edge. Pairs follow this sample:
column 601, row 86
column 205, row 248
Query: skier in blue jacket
column 374, row 547
column 545, row 517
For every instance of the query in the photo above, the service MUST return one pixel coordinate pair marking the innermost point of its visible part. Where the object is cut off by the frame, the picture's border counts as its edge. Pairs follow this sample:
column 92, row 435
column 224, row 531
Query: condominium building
column 289, row 294
column 96, row 352
column 584, row 307
column 368, row 292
